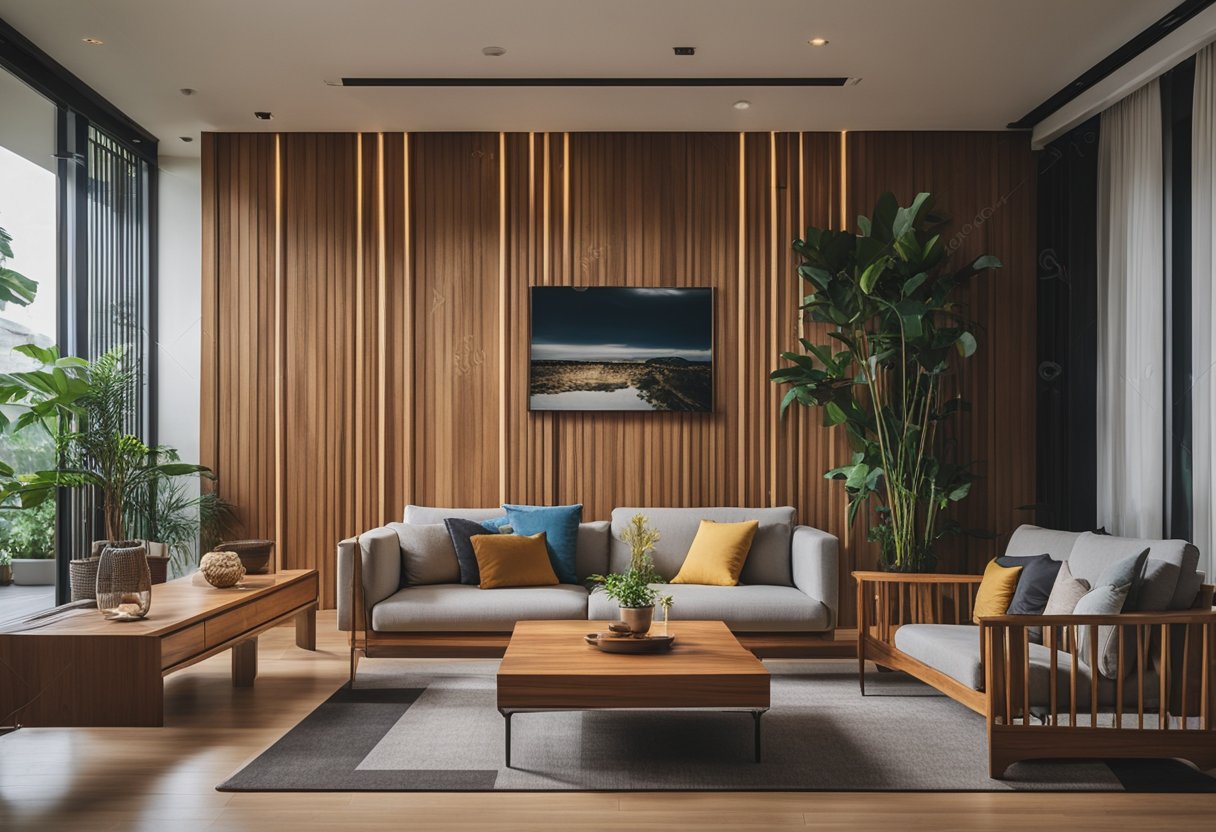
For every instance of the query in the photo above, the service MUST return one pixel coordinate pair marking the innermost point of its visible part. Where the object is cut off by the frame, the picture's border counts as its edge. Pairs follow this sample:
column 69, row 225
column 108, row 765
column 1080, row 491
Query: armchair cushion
column 1065, row 593
column 1034, row 585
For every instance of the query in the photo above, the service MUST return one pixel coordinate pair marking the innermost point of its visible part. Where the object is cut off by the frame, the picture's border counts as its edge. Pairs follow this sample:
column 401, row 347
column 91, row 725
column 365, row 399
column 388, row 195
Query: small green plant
column 5, row 558
column 633, row 587
column 665, row 602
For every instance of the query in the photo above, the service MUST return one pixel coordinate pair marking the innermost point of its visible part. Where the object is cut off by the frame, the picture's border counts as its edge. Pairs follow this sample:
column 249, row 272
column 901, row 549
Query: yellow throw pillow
column 718, row 553
column 513, row 560
column 996, row 590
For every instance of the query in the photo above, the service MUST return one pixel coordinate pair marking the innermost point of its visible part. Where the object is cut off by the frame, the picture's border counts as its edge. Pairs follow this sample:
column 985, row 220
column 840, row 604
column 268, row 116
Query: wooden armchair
column 1038, row 699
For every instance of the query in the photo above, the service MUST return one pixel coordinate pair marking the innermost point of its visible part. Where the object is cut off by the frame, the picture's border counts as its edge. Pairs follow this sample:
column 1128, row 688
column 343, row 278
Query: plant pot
column 82, row 578
column 254, row 554
column 6, row 574
column 34, row 571
column 638, row 619
column 124, row 584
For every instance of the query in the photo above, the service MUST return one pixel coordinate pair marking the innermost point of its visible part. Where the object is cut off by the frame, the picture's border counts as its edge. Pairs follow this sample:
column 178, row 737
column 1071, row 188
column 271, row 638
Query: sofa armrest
column 815, row 561
column 379, row 570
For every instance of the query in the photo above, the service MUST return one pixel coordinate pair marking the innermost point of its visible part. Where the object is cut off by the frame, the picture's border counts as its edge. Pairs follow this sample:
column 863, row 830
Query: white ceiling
column 924, row 64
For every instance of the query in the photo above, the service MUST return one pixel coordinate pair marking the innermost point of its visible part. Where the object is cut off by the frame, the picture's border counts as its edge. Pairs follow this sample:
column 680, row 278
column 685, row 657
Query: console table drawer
column 229, row 625
column 286, row 600
column 182, row 645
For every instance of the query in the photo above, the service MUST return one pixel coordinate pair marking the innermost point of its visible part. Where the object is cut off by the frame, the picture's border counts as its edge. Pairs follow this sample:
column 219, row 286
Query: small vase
column 124, row 583
column 638, row 618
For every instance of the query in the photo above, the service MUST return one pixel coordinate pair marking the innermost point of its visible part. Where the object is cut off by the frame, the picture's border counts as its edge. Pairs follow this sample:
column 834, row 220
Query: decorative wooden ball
column 222, row 569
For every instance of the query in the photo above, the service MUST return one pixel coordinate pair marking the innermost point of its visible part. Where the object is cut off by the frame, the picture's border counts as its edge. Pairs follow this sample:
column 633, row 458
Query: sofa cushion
column 717, row 554
column 461, row 533
column 1035, row 583
column 755, row 609
column 456, row 607
column 427, row 515
column 1028, row 541
column 559, row 524
column 591, row 557
column 954, row 649
column 1167, row 583
column 767, row 564
column 1065, row 593
column 427, row 555
column 505, row 560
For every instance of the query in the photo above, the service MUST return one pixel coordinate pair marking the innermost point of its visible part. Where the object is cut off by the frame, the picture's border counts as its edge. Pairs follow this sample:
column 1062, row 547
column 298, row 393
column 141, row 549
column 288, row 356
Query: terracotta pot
column 638, row 618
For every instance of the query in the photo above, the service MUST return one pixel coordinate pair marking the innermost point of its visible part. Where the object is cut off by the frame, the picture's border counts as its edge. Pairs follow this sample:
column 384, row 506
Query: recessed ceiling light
column 186, row 91
column 186, row 139
column 263, row 115
column 818, row 41
column 743, row 105
column 493, row 51
column 92, row 41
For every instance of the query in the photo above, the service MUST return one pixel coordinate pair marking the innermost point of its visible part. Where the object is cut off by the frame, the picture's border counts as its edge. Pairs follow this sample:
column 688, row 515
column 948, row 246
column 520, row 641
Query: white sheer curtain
column 1131, row 296
column 1203, row 314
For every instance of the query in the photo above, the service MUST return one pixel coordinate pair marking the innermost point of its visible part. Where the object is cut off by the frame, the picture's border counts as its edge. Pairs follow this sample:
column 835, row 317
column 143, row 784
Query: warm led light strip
column 381, row 335
column 774, row 326
column 502, row 317
column 742, row 322
column 279, row 362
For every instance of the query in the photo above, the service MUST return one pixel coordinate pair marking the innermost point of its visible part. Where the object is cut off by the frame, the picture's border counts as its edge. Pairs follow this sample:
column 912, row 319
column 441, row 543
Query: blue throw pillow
column 560, row 525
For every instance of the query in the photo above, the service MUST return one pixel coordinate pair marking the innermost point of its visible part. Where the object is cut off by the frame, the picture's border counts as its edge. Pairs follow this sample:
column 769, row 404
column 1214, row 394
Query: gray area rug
column 423, row 725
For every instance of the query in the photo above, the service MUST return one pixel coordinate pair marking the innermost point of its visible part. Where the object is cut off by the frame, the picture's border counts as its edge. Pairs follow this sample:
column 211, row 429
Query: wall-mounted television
column 621, row 348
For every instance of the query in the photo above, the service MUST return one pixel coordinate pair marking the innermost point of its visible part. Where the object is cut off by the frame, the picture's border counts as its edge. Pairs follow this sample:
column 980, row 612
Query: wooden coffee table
column 548, row 667
column 70, row 667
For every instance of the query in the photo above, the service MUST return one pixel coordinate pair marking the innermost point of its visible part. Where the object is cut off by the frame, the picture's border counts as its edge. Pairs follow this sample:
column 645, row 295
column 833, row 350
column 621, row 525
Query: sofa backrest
column 1171, row 581
column 768, row 563
column 591, row 552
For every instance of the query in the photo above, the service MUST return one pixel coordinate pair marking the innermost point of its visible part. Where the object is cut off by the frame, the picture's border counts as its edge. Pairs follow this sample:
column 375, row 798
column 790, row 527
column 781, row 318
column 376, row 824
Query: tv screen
column 621, row 348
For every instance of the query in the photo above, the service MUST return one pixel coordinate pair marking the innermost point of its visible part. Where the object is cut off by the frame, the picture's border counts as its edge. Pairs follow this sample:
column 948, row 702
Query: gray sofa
column 409, row 586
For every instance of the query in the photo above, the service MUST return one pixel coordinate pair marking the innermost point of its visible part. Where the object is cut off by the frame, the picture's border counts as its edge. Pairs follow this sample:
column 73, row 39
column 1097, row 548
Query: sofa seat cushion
column 745, row 609
column 954, row 649
column 456, row 607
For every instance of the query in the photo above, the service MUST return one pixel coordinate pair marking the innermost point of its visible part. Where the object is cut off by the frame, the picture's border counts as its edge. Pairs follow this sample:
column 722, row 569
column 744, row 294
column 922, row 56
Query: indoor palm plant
column 633, row 589
column 892, row 307
column 83, row 406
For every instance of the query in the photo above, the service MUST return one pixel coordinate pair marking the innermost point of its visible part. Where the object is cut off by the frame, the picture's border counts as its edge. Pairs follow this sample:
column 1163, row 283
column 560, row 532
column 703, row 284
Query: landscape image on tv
column 618, row 348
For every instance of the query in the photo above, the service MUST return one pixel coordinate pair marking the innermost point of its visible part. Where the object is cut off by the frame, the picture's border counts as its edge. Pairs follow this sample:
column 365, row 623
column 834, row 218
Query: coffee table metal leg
column 507, row 715
column 756, row 719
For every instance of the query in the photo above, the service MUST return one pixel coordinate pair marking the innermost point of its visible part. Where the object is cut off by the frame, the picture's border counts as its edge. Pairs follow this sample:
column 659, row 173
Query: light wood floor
column 164, row 779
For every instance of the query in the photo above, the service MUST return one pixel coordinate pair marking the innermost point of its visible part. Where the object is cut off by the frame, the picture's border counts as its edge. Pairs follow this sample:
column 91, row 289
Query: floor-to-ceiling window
column 78, row 200
column 28, row 185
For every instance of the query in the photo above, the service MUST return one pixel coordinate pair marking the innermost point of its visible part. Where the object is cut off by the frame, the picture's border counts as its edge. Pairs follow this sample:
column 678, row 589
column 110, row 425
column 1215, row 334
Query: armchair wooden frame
column 1174, row 715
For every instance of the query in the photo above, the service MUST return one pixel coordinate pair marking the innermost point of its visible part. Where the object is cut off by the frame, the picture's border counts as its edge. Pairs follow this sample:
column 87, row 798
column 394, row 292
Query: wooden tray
column 611, row 643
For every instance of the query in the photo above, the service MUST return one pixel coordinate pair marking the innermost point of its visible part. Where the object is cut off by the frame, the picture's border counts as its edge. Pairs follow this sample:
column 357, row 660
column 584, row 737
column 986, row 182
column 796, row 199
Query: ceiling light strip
column 811, row 81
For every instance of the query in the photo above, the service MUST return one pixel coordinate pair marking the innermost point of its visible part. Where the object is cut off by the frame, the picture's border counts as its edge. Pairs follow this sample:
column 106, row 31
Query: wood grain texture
column 402, row 265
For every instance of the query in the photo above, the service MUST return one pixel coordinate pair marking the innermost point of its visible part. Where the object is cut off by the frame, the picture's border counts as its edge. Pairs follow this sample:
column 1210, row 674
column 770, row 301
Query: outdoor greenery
column 633, row 587
column 15, row 288
column 29, row 533
column 892, row 306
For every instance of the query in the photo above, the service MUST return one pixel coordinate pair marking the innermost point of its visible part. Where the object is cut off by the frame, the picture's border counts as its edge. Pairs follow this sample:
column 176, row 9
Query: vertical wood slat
column 365, row 307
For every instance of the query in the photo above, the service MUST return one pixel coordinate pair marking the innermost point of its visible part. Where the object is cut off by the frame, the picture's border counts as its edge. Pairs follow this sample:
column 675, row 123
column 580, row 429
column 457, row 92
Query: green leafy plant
column 29, row 533
column 170, row 510
column 15, row 287
column 84, row 407
column 633, row 587
column 891, row 302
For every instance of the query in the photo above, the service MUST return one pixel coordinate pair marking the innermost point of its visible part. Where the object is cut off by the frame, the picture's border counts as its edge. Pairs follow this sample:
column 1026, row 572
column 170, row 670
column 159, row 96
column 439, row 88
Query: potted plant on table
column 634, row 589
column 892, row 305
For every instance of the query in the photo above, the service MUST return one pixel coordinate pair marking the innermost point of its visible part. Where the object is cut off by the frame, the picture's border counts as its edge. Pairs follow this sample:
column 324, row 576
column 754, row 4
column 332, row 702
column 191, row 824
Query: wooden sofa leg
column 354, row 664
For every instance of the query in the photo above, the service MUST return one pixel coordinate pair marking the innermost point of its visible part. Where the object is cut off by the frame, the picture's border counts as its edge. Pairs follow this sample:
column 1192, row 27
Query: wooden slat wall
column 375, row 288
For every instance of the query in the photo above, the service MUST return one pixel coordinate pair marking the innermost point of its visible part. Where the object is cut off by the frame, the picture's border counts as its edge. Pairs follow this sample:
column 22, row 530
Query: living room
column 536, row 414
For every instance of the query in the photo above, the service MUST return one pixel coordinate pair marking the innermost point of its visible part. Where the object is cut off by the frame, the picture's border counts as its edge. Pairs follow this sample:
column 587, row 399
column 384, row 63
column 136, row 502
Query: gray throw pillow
column 1102, row 600
column 427, row 555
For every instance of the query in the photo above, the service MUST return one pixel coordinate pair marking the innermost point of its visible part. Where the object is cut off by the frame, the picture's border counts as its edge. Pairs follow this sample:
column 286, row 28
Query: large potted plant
column 892, row 304
column 84, row 406
column 633, row 589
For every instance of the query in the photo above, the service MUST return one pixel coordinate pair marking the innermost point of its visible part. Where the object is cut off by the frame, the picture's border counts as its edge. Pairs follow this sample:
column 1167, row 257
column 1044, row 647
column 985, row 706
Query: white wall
column 179, row 351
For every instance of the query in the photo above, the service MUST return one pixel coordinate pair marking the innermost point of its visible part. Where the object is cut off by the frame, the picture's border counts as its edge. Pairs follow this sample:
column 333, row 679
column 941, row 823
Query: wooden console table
column 70, row 667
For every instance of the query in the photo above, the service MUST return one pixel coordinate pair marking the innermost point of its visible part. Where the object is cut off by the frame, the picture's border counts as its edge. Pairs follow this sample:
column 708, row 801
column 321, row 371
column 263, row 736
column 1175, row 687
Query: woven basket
column 82, row 575
column 123, row 579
